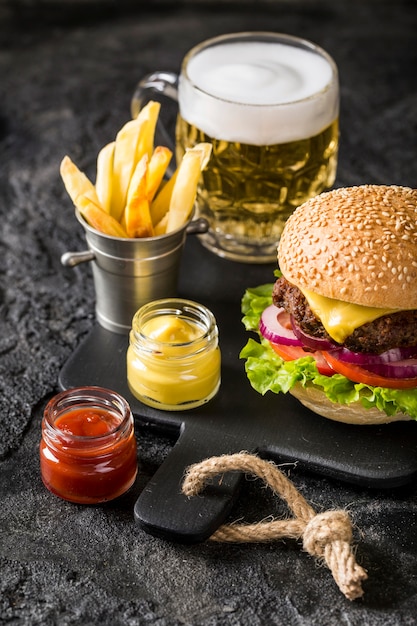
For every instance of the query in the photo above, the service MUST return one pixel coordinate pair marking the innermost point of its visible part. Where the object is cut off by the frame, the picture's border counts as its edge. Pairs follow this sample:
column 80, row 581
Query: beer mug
column 269, row 105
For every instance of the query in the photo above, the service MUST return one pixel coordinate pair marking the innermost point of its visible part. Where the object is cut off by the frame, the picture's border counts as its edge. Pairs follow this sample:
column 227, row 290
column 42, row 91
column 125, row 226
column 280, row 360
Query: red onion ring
column 366, row 359
column 275, row 325
column 314, row 343
column 403, row 367
column 397, row 369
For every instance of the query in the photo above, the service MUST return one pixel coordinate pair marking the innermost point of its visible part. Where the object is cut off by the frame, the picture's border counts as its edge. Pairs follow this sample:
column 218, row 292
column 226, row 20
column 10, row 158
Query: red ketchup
column 88, row 448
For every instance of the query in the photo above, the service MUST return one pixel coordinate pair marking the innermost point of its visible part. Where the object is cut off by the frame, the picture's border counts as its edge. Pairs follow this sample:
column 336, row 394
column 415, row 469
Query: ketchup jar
column 173, row 359
column 88, row 448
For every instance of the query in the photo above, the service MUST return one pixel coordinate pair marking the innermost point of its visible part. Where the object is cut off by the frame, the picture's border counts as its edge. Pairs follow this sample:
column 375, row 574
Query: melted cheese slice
column 339, row 318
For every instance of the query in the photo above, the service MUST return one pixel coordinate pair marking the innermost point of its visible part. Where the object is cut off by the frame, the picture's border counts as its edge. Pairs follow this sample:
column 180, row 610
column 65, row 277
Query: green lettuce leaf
column 266, row 370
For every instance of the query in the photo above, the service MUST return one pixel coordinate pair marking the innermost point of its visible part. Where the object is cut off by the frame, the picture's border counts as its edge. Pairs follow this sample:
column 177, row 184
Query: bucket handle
column 71, row 259
column 198, row 226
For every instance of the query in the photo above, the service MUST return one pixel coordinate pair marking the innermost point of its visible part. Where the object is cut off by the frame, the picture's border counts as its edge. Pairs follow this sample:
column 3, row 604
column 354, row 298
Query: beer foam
column 259, row 93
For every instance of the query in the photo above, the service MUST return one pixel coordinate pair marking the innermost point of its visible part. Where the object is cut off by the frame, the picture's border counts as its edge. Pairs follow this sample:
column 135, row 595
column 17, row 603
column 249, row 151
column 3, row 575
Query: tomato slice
column 291, row 353
column 358, row 374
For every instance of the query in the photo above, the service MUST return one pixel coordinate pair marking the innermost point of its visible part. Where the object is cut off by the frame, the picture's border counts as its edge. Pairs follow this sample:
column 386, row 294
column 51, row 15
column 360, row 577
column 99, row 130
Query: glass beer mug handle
column 165, row 83
column 160, row 82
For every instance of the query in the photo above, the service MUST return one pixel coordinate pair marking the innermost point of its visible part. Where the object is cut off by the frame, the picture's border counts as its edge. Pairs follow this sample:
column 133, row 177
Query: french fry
column 99, row 219
column 160, row 204
column 138, row 182
column 124, row 163
column 157, row 167
column 161, row 227
column 150, row 113
column 133, row 140
column 76, row 182
column 104, row 176
column 137, row 216
column 185, row 188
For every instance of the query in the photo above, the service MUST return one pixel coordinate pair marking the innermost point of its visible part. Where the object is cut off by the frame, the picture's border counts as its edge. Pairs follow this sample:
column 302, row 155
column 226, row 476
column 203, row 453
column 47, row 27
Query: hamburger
column 338, row 328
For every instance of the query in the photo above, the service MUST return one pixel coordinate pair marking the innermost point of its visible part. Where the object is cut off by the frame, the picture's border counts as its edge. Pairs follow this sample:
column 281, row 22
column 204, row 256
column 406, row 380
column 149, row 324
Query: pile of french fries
column 131, row 196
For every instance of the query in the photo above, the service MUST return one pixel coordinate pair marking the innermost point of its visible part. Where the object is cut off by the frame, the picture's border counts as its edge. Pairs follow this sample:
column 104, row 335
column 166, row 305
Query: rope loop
column 326, row 536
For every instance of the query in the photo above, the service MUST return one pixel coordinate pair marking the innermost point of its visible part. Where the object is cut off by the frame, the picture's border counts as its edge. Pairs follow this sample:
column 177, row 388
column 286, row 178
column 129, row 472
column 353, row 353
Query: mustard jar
column 173, row 359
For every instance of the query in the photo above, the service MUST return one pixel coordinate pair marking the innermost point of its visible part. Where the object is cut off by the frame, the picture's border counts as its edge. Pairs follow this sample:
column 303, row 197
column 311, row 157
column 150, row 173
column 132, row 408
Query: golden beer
column 269, row 105
column 248, row 192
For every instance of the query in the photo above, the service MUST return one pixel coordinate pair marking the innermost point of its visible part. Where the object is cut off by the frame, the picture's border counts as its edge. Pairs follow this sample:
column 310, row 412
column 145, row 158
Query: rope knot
column 325, row 535
column 325, row 529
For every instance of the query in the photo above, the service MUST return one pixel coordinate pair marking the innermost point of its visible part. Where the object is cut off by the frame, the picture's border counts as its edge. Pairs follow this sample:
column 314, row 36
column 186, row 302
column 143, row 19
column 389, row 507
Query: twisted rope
column 326, row 536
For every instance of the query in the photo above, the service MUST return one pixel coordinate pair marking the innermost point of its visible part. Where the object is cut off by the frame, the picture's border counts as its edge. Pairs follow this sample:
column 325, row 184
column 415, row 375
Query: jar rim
column 92, row 396
column 194, row 311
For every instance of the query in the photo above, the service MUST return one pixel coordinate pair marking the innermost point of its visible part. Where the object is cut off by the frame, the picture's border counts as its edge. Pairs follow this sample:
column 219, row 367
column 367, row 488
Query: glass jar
column 88, row 448
column 173, row 359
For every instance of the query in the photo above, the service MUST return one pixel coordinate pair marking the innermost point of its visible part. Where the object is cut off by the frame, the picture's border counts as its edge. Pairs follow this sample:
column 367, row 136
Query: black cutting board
column 276, row 427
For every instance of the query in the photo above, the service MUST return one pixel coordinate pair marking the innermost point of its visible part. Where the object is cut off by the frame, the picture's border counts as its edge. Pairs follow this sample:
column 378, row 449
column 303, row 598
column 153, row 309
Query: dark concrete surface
column 67, row 72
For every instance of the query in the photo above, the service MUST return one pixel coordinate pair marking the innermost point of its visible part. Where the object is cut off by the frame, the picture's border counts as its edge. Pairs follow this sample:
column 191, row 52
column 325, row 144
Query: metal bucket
column 131, row 272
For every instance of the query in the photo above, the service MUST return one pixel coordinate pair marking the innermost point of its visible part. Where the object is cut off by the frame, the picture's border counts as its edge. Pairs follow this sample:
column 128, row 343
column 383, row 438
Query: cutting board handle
column 164, row 511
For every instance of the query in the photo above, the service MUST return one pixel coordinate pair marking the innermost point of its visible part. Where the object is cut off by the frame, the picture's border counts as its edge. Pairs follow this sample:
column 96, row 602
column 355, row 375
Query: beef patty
column 390, row 331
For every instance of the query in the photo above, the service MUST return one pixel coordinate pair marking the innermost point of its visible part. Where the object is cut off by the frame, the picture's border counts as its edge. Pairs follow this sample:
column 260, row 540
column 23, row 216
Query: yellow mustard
column 173, row 359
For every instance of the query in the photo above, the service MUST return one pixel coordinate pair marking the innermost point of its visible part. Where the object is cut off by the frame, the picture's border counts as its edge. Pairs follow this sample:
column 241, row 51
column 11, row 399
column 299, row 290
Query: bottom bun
column 353, row 413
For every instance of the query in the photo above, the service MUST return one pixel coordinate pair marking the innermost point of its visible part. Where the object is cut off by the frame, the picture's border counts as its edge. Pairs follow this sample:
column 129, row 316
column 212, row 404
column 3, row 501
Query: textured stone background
column 67, row 71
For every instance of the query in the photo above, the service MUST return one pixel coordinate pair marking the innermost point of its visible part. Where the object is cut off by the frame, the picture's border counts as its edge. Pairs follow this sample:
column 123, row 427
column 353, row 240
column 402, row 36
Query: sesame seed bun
column 356, row 244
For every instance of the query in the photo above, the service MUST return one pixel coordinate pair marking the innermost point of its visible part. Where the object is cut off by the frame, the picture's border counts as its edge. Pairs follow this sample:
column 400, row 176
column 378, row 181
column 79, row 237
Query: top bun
column 356, row 244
